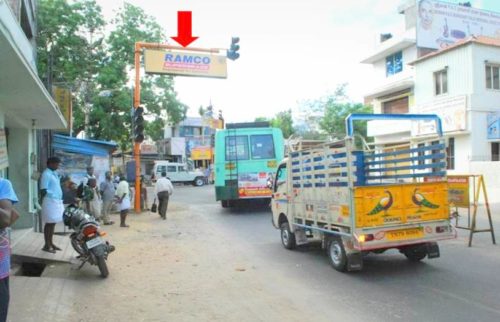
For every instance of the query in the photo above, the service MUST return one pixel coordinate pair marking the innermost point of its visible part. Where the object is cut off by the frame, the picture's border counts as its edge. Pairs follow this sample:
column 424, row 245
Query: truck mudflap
column 432, row 250
column 354, row 262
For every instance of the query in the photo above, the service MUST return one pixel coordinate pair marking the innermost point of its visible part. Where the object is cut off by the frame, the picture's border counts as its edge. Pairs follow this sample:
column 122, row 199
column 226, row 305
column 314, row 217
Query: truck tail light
column 366, row 238
column 442, row 229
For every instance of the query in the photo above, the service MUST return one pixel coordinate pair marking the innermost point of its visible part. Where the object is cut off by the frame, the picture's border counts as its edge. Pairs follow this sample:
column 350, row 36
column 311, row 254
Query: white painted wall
column 379, row 68
column 490, row 171
column 460, row 77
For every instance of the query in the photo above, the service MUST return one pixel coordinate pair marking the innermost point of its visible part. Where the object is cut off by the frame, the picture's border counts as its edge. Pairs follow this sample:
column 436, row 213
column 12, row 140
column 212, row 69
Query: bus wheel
column 287, row 237
column 336, row 254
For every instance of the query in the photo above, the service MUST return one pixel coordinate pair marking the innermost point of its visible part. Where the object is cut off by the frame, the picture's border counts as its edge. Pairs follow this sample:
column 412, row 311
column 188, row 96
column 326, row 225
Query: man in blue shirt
column 52, row 202
column 8, row 216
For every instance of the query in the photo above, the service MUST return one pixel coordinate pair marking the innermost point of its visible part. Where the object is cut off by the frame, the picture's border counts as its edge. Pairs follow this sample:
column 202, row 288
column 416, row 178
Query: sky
column 291, row 50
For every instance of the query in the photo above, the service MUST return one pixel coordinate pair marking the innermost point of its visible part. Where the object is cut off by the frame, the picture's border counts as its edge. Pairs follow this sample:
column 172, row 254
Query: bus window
column 262, row 146
column 236, row 148
column 280, row 176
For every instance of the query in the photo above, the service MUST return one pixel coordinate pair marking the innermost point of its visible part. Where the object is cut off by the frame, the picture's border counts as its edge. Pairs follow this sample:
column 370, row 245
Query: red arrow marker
column 184, row 30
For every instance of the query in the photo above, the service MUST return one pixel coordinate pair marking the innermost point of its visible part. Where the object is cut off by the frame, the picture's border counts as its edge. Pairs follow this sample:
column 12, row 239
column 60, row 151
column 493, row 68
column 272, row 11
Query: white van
column 177, row 172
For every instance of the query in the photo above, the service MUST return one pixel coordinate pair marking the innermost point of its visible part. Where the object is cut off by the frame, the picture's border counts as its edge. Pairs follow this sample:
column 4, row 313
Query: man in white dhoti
column 52, row 202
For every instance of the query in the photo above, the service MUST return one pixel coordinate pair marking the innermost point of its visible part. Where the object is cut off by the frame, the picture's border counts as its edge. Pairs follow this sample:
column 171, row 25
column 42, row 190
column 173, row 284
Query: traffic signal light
column 232, row 52
column 139, row 124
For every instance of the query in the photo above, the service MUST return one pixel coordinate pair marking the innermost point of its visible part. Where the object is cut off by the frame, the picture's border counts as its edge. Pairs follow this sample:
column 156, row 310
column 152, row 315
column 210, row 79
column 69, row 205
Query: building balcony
column 395, row 83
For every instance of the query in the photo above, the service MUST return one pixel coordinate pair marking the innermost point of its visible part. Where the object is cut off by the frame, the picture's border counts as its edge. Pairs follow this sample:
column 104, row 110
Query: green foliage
column 284, row 121
column 326, row 116
column 97, row 68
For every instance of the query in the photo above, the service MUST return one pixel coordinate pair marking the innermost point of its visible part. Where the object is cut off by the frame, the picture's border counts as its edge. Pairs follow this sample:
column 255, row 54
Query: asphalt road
column 206, row 263
column 462, row 285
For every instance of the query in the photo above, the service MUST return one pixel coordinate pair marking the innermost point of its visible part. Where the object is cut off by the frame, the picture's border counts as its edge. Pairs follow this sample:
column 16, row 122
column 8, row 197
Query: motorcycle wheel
column 77, row 247
column 103, row 267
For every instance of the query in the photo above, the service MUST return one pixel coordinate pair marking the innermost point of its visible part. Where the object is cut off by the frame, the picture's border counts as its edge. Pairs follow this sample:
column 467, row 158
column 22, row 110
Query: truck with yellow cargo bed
column 357, row 200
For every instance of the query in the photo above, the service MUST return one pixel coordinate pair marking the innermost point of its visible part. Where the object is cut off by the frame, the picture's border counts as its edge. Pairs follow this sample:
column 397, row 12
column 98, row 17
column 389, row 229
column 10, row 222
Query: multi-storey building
column 25, row 104
column 445, row 63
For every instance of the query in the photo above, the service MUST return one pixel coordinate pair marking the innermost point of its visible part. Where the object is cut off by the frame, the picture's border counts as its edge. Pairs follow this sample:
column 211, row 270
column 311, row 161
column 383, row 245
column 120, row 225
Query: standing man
column 164, row 190
column 92, row 197
column 8, row 216
column 52, row 203
column 108, row 195
column 123, row 196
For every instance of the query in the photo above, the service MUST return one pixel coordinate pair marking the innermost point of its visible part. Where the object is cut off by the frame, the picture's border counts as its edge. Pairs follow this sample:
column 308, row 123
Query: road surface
column 205, row 263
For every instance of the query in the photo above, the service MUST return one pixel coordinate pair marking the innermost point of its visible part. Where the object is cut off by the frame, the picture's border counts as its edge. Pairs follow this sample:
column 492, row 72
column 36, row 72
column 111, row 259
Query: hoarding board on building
column 440, row 24
column 212, row 123
column 201, row 153
column 62, row 96
column 185, row 64
column 148, row 148
column 493, row 121
column 4, row 157
column 451, row 110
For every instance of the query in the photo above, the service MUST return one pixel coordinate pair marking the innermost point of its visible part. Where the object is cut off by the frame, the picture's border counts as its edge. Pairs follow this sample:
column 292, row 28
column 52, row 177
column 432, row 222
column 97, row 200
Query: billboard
column 493, row 120
column 185, row 64
column 451, row 110
column 440, row 24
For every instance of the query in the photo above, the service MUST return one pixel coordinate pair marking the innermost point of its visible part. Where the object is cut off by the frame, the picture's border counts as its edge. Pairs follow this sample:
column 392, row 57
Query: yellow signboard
column 201, row 153
column 185, row 63
column 62, row 96
column 4, row 157
column 399, row 204
column 458, row 191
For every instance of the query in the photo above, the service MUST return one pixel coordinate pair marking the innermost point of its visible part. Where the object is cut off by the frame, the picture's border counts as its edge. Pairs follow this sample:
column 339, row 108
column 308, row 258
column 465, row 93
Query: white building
column 25, row 104
column 439, row 66
column 461, row 85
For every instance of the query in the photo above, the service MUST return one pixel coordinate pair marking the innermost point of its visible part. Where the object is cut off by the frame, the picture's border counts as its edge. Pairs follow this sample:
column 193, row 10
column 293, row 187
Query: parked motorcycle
column 87, row 238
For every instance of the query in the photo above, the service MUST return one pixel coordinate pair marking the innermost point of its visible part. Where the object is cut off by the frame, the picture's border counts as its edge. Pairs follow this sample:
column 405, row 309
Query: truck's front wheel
column 287, row 237
column 336, row 254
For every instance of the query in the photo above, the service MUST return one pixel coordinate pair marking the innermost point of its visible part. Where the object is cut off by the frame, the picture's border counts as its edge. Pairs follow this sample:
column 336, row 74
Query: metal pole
column 137, row 150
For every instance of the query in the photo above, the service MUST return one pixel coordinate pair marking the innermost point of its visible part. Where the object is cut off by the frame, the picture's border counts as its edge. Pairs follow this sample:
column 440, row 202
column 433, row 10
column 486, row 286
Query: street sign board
column 62, row 96
column 184, row 63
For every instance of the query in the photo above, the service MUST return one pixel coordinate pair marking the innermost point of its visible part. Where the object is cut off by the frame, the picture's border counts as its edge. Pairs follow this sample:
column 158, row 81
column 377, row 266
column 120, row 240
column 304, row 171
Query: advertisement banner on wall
column 451, row 110
column 493, row 121
column 4, row 157
column 185, row 64
column 254, row 185
column 440, row 24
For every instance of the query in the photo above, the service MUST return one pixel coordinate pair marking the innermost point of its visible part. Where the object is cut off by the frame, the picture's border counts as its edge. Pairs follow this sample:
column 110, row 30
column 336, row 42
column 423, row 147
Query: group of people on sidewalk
column 56, row 194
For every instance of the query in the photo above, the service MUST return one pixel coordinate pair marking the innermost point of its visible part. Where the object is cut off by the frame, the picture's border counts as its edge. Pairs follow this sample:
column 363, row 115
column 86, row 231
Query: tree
column 326, row 116
column 97, row 67
column 284, row 121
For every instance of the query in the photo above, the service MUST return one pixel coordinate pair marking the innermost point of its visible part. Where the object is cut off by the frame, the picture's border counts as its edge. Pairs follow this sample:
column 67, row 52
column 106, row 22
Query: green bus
column 246, row 157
